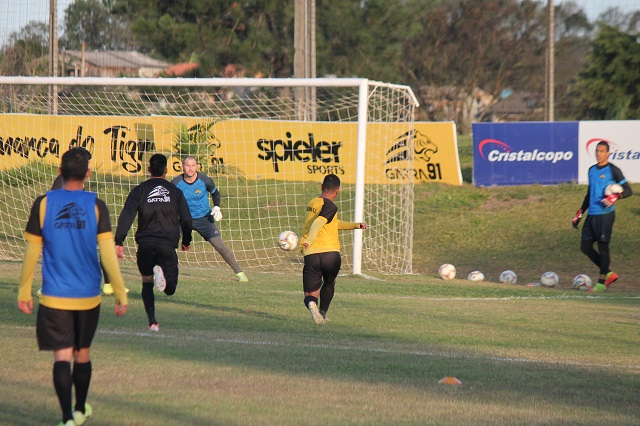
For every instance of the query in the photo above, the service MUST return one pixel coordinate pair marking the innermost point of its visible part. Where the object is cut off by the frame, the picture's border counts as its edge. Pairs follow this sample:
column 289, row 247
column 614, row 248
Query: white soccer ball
column 447, row 271
column 508, row 277
column 288, row 240
column 475, row 276
column 614, row 188
column 549, row 279
column 582, row 282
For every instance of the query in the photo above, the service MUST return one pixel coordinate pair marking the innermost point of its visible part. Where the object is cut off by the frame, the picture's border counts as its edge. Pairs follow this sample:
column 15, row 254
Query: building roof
column 518, row 103
column 118, row 59
column 182, row 68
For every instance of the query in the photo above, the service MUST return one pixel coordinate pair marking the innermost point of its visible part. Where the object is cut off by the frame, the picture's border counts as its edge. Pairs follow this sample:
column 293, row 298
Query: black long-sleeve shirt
column 162, row 213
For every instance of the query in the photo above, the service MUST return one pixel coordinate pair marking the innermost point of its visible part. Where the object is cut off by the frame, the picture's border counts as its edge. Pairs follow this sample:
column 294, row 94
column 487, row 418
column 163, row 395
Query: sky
column 593, row 8
column 15, row 14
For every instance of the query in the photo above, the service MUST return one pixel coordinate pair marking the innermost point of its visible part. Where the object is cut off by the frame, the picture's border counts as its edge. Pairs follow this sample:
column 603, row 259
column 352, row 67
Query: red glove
column 576, row 219
column 612, row 198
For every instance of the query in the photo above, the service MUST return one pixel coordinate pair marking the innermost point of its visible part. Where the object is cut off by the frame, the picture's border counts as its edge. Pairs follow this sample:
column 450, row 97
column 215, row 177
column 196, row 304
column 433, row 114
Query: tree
column 366, row 38
column 573, row 36
column 27, row 51
column 255, row 34
column 469, row 45
column 91, row 22
column 609, row 87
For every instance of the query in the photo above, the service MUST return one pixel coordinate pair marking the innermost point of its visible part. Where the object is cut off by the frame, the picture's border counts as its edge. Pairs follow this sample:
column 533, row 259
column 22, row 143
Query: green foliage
column 91, row 22
column 366, row 39
column 197, row 140
column 257, row 35
column 609, row 87
column 26, row 52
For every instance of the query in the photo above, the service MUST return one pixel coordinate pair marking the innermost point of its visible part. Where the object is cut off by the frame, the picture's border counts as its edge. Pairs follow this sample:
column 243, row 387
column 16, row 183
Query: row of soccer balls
column 288, row 241
column 548, row 279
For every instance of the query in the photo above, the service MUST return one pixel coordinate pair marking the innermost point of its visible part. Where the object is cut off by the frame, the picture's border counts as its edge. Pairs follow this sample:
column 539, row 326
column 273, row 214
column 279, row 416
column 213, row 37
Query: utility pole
column 304, row 59
column 550, row 63
column 53, row 55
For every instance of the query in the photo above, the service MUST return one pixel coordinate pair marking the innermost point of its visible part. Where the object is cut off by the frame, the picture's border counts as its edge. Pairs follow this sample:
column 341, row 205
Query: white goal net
column 266, row 143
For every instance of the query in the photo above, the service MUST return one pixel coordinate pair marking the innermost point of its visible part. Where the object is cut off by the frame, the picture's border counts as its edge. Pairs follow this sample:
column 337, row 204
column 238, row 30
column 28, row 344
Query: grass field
column 249, row 354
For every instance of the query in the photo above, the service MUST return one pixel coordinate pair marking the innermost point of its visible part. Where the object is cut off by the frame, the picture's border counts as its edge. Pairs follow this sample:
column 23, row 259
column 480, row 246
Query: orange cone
column 449, row 380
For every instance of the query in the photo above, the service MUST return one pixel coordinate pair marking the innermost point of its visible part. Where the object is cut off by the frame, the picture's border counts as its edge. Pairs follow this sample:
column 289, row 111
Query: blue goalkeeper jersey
column 599, row 179
column 197, row 193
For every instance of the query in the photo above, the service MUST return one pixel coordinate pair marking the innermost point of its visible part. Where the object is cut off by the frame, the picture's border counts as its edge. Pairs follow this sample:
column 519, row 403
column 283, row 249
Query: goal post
column 265, row 145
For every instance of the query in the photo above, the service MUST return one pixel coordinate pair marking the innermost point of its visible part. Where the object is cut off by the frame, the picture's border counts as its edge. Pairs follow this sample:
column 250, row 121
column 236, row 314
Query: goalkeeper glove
column 612, row 198
column 217, row 215
column 576, row 219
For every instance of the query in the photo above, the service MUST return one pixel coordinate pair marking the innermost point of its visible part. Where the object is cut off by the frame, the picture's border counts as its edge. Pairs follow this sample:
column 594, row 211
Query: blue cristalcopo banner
column 525, row 153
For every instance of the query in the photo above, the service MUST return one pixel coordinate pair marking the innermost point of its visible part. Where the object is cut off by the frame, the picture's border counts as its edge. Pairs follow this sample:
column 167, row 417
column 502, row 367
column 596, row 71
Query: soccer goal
column 267, row 144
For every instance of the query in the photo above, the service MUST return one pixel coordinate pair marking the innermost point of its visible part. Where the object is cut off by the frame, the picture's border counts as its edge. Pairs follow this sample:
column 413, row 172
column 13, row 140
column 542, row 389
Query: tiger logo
column 423, row 147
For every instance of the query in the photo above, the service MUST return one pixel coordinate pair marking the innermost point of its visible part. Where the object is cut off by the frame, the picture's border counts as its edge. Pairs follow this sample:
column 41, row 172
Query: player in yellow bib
column 321, row 248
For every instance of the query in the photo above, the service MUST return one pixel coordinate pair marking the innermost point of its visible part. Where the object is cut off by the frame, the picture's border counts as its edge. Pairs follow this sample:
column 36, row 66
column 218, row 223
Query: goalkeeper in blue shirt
column 197, row 187
column 598, row 225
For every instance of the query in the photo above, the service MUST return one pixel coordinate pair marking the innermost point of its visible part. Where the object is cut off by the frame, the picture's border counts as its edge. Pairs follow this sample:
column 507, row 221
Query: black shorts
column 319, row 269
column 206, row 227
column 59, row 329
column 598, row 227
column 150, row 255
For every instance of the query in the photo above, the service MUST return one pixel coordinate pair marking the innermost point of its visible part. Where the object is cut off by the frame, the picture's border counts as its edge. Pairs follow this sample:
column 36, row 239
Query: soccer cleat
column 39, row 292
column 154, row 327
column 67, row 423
column 242, row 277
column 324, row 316
column 598, row 288
column 315, row 313
column 79, row 417
column 611, row 278
column 158, row 277
column 107, row 289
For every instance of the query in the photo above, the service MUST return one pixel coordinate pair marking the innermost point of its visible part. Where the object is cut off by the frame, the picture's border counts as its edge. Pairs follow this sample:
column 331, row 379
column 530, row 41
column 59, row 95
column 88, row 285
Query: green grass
column 249, row 354
column 231, row 353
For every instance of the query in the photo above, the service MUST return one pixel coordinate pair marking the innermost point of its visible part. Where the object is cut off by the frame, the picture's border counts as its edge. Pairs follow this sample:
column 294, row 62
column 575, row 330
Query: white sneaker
column 154, row 327
column 315, row 313
column 158, row 277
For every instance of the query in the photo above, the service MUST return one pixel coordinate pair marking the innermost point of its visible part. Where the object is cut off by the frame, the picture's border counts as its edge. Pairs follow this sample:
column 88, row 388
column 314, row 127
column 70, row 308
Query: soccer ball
column 614, row 188
column 549, row 279
column 582, row 282
column 288, row 240
column 447, row 271
column 475, row 276
column 508, row 277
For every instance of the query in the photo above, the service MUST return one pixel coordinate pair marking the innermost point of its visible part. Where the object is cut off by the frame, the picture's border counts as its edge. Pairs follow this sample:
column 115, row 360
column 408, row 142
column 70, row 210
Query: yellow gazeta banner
column 257, row 149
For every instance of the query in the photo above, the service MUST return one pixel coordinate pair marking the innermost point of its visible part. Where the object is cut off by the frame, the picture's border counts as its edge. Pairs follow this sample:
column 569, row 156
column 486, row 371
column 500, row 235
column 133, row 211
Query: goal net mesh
column 267, row 148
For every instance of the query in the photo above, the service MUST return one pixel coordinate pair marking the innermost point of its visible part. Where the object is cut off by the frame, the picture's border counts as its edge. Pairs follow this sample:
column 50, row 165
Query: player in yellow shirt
column 65, row 225
column 321, row 248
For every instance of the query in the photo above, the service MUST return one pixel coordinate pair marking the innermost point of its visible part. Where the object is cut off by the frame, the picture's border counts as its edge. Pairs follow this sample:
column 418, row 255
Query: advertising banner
column 436, row 153
column 624, row 147
column 525, row 153
column 255, row 149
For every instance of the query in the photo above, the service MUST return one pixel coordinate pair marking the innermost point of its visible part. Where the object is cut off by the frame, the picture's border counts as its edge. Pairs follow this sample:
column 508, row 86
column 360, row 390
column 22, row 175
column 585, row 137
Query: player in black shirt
column 162, row 213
